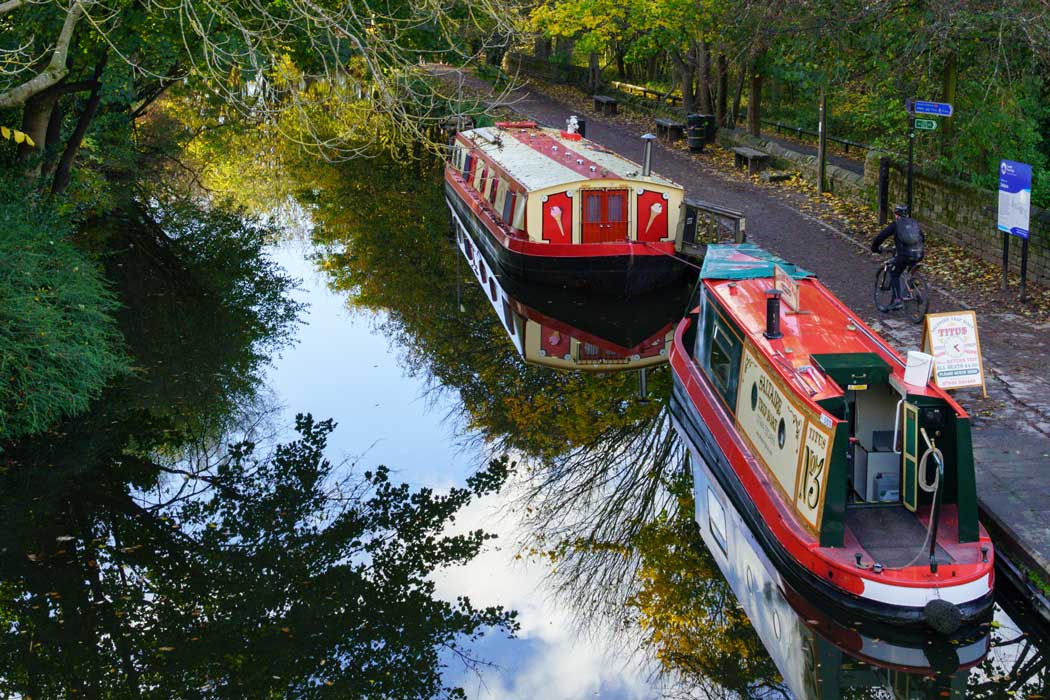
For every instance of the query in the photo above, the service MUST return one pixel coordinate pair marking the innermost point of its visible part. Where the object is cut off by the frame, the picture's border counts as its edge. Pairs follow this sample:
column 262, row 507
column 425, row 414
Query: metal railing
column 799, row 131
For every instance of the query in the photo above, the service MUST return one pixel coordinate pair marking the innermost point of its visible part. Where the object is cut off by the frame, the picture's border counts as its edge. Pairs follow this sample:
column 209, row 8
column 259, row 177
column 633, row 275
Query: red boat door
column 604, row 216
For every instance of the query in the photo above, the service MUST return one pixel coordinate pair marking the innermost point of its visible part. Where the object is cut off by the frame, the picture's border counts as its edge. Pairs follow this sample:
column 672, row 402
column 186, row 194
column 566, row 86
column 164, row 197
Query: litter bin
column 695, row 132
column 708, row 123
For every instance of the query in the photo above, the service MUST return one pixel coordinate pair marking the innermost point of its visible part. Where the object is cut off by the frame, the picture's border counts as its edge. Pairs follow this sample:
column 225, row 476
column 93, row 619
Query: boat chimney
column 773, row 314
column 643, row 387
column 647, row 159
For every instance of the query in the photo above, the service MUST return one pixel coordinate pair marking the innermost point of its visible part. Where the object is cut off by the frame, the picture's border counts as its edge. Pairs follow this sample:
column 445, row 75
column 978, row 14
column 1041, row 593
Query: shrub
column 58, row 342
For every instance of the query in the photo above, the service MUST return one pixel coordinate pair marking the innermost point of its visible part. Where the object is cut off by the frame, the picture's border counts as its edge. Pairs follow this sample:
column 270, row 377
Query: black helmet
column 900, row 210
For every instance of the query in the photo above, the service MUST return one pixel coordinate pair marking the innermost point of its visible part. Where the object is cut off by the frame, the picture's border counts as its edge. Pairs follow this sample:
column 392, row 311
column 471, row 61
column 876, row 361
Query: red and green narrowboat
column 858, row 485
column 554, row 208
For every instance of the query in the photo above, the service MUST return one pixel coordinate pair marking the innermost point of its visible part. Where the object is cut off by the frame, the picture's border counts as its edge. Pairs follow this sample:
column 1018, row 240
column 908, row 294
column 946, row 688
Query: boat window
column 490, row 181
column 594, row 210
column 492, row 288
column 508, row 206
column 500, row 199
column 721, row 360
column 468, row 161
column 519, row 212
column 716, row 519
column 721, row 355
column 616, row 209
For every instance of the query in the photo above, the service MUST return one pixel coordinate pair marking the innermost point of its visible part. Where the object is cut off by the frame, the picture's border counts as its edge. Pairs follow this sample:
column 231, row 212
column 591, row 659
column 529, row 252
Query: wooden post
column 822, row 141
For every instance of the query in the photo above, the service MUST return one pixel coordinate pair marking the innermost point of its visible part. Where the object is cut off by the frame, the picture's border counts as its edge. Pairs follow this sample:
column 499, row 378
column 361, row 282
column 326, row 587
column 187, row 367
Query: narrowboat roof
column 745, row 261
column 823, row 329
column 539, row 158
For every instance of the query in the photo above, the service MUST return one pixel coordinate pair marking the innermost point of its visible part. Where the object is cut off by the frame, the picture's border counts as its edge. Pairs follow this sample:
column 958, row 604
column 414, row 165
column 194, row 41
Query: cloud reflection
column 552, row 658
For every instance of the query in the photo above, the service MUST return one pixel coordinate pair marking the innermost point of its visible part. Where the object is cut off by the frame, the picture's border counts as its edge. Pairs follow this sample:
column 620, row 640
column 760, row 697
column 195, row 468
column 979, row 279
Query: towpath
column 1011, row 426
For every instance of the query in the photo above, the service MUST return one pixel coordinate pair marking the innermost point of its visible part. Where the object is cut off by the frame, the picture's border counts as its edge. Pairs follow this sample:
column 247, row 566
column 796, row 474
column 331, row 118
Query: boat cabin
column 553, row 187
column 822, row 403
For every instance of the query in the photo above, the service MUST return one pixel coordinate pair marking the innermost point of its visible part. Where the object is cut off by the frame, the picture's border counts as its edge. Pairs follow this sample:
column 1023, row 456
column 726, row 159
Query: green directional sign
column 925, row 124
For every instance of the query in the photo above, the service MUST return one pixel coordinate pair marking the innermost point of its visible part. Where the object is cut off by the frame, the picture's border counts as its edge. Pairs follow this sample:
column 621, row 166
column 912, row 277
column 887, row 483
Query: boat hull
column 702, row 441
column 625, row 269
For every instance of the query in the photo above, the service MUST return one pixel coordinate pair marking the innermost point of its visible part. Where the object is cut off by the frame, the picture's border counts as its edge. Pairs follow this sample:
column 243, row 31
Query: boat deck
column 892, row 535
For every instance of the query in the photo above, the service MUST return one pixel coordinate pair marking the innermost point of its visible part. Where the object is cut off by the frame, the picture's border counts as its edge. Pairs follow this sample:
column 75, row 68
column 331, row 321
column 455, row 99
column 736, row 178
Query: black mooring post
column 1024, row 267
column 1006, row 259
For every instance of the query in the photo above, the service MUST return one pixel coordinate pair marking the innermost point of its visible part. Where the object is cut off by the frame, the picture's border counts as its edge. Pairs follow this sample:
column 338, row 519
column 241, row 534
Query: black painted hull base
column 615, row 275
column 814, row 588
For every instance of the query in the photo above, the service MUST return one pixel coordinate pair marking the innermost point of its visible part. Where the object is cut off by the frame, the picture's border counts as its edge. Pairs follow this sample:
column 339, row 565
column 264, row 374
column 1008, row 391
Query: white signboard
column 956, row 348
column 788, row 287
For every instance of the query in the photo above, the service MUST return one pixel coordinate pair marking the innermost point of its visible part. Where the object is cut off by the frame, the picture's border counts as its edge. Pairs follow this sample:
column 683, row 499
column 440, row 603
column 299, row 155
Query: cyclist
column 908, row 245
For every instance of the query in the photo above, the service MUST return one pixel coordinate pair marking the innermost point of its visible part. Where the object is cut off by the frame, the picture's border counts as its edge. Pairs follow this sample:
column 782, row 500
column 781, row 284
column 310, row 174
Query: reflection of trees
column 280, row 578
column 693, row 624
column 144, row 556
column 383, row 238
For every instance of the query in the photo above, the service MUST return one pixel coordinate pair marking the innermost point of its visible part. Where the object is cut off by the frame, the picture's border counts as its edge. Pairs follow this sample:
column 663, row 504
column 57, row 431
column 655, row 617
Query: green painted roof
column 744, row 261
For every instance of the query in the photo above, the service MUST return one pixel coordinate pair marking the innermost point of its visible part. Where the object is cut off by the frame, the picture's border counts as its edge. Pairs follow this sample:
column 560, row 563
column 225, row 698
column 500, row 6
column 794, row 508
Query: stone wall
column 961, row 212
column 967, row 215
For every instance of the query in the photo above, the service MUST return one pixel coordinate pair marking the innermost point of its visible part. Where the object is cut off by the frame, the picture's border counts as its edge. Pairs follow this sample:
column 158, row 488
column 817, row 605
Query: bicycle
column 915, row 292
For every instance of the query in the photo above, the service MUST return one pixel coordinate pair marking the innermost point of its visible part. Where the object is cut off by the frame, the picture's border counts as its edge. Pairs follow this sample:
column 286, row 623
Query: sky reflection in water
column 341, row 367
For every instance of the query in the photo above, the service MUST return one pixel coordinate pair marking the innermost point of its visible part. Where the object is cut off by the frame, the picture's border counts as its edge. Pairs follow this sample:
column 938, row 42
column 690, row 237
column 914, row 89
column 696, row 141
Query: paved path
column 1015, row 489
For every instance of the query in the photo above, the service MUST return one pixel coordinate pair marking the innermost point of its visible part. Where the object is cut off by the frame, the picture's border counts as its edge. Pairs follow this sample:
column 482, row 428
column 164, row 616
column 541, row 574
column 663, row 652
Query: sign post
column 1015, row 204
column 913, row 107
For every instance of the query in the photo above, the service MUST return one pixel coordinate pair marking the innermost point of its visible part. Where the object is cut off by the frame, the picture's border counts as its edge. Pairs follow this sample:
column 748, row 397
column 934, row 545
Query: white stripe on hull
column 913, row 597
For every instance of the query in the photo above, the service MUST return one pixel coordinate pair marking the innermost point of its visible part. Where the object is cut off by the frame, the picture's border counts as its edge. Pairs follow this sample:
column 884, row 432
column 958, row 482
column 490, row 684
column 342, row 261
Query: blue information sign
column 941, row 109
column 1015, row 197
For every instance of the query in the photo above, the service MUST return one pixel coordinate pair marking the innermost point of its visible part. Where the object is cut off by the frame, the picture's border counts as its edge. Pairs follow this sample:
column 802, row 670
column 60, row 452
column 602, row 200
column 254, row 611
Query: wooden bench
column 754, row 158
column 603, row 104
column 670, row 129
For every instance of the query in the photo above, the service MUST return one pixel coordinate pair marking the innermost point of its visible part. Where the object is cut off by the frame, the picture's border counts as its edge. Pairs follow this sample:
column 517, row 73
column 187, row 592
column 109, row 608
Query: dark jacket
column 899, row 248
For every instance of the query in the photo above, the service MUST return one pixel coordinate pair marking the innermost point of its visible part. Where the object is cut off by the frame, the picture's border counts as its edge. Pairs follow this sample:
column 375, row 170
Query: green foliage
column 58, row 342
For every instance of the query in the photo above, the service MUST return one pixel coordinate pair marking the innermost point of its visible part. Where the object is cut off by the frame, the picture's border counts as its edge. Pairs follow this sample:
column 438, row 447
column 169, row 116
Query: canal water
column 429, row 364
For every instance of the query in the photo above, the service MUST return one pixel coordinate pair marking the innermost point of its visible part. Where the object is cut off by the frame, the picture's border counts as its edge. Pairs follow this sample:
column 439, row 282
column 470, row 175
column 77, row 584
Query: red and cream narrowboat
column 857, row 482
column 570, row 330
column 554, row 208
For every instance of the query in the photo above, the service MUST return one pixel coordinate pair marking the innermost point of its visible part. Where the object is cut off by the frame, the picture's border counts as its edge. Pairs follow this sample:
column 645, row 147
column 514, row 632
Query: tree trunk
column 754, row 102
column 737, row 97
column 542, row 47
column 54, row 132
column 722, row 95
column 36, row 115
column 64, row 170
column 685, row 69
column 621, row 61
column 594, row 71
column 705, row 78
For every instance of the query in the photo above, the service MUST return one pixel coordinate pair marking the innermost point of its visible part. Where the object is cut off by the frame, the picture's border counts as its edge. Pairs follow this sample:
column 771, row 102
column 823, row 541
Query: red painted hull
column 626, row 267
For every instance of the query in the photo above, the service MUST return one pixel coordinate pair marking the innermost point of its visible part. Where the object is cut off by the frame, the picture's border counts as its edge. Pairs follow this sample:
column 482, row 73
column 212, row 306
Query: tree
column 245, row 60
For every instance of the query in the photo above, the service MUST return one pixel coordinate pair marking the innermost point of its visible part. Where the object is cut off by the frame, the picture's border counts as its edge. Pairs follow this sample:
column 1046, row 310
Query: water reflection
column 572, row 330
column 153, row 548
